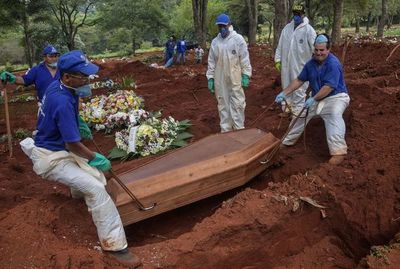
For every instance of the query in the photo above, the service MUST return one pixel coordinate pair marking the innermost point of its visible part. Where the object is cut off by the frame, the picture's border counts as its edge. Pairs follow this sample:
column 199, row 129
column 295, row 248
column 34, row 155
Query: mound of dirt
column 273, row 222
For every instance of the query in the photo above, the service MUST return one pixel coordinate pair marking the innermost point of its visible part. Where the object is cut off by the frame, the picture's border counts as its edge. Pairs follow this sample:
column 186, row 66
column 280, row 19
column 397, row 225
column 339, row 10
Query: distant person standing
column 228, row 72
column 198, row 54
column 41, row 75
column 181, row 50
column 169, row 48
column 295, row 48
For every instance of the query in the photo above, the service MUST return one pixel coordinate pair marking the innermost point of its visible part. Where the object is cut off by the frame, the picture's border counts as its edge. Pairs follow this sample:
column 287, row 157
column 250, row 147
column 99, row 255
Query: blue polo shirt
column 330, row 73
column 58, row 118
column 41, row 77
column 181, row 46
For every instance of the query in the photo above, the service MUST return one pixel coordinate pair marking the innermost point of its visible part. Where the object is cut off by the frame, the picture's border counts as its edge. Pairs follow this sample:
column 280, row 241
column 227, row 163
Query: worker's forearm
column 294, row 85
column 324, row 91
column 81, row 150
column 19, row 80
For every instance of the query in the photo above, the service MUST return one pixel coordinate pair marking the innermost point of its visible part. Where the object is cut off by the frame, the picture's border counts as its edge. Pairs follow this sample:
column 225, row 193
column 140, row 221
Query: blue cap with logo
column 75, row 61
column 50, row 49
column 222, row 19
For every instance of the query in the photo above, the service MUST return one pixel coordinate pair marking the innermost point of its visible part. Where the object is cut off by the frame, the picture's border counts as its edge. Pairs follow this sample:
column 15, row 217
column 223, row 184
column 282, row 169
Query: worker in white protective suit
column 228, row 72
column 58, row 154
column 329, row 98
column 294, row 49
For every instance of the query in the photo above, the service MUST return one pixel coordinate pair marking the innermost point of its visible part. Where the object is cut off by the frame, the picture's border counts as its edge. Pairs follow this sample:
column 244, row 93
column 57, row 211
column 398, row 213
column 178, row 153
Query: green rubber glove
column 100, row 162
column 211, row 85
column 245, row 80
column 7, row 76
column 278, row 66
column 84, row 130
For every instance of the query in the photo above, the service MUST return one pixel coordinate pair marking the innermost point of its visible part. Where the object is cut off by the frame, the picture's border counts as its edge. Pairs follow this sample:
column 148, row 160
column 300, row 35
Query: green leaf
column 178, row 143
column 183, row 136
column 117, row 153
column 185, row 123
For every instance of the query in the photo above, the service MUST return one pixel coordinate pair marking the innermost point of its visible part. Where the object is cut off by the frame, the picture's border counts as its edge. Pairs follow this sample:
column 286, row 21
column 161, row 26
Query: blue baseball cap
column 222, row 19
column 50, row 49
column 75, row 61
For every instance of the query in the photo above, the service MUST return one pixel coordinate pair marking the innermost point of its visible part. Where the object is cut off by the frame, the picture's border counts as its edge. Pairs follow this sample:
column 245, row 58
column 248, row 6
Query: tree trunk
column 383, row 19
column 27, row 42
column 357, row 25
column 269, row 31
column 389, row 22
column 200, row 21
column 337, row 21
column 280, row 20
column 252, row 11
column 368, row 21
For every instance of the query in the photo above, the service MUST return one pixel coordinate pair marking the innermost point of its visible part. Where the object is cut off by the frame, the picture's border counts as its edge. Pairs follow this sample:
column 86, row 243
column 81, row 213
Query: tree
column 200, row 21
column 337, row 21
column 252, row 7
column 383, row 19
column 71, row 15
column 281, row 19
column 25, row 13
column 143, row 19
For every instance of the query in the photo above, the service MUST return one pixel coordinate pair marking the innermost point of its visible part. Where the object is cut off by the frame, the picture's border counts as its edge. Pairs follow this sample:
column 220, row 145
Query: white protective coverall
column 331, row 111
column 73, row 171
column 294, row 49
column 228, row 59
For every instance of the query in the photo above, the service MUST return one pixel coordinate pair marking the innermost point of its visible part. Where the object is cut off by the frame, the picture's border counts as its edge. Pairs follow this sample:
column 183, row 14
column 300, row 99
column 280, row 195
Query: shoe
column 125, row 257
column 336, row 159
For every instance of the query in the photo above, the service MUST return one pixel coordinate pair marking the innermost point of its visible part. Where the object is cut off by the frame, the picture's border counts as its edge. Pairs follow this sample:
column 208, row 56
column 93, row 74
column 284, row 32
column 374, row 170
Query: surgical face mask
column 297, row 19
column 83, row 91
column 52, row 65
column 224, row 32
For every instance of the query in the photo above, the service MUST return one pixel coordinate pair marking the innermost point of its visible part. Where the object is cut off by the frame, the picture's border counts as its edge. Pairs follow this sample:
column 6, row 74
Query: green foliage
column 214, row 8
column 380, row 252
column 181, row 20
column 22, row 133
column 143, row 19
column 117, row 153
column 128, row 82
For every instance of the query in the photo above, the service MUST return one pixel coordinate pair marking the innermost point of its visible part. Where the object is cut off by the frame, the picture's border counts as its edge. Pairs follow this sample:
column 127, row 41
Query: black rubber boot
column 125, row 257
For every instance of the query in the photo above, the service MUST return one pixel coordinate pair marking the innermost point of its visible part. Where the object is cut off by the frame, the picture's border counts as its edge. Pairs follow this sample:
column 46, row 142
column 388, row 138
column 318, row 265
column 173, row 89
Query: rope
column 128, row 191
column 276, row 148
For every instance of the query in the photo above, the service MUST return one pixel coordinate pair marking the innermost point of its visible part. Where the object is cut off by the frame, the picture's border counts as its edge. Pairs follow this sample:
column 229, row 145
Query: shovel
column 9, row 136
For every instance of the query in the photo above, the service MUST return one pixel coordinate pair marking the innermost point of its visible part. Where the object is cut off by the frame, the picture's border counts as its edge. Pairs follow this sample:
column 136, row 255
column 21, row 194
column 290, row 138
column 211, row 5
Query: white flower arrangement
column 141, row 133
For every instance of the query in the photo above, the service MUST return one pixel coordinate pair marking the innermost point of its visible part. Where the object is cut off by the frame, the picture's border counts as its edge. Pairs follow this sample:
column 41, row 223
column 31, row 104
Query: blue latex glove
column 100, row 162
column 245, row 80
column 280, row 97
column 84, row 130
column 211, row 85
column 7, row 76
column 310, row 102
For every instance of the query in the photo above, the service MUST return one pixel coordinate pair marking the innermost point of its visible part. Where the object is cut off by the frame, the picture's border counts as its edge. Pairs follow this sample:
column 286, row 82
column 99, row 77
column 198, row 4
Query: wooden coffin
column 212, row 165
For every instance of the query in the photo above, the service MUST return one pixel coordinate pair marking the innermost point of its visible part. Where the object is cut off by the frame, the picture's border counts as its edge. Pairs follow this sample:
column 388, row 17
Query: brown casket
column 212, row 165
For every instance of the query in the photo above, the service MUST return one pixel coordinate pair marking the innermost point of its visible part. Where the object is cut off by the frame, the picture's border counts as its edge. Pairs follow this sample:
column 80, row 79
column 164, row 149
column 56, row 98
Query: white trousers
column 231, row 106
column 331, row 111
column 104, row 213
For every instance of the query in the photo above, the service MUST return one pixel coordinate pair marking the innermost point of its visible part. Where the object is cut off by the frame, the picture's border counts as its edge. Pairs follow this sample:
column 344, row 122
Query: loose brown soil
column 255, row 226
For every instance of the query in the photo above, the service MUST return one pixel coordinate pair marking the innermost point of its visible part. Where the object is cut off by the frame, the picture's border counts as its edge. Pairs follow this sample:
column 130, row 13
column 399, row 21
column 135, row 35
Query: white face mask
column 52, row 65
